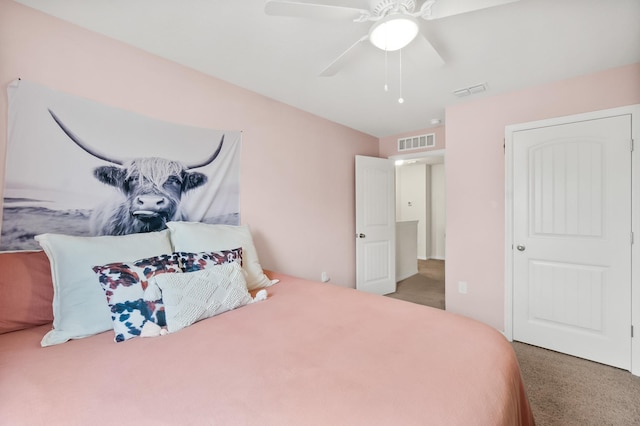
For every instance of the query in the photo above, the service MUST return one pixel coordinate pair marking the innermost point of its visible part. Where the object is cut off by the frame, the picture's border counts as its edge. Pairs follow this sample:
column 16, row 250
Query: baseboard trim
column 405, row 276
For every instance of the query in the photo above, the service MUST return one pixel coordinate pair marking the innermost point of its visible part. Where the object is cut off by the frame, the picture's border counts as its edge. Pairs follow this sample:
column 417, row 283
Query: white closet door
column 572, row 238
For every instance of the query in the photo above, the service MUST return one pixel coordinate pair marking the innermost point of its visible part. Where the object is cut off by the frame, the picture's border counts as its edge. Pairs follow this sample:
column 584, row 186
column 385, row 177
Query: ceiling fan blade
column 444, row 8
column 427, row 52
column 322, row 9
column 339, row 62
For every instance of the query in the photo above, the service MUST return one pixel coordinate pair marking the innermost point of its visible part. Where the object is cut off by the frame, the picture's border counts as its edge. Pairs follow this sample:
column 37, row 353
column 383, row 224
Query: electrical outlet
column 462, row 287
column 324, row 277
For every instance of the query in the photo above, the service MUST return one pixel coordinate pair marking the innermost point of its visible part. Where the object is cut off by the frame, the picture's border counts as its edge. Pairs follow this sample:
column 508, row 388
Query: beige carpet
column 562, row 390
column 566, row 391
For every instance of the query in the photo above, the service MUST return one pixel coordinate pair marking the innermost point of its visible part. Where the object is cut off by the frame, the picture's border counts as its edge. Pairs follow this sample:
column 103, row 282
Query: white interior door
column 572, row 238
column 375, row 225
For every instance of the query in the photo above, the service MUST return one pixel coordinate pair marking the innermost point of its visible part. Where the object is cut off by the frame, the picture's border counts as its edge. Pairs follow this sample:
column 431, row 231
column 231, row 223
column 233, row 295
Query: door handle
column 521, row 248
column 360, row 236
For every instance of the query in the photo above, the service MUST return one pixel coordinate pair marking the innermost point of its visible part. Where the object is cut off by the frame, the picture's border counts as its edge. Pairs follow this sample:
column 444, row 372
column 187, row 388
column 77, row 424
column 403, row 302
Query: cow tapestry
column 79, row 167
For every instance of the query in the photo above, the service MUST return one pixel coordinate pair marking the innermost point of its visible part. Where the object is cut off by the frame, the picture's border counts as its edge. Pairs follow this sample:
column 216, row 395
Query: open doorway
column 420, row 235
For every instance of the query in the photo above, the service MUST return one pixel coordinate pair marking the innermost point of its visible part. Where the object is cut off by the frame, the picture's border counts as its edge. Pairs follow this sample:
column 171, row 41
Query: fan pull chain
column 386, row 72
column 400, row 99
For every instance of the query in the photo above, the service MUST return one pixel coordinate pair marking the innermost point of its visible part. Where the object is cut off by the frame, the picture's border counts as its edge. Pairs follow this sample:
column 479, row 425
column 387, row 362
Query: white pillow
column 202, row 237
column 194, row 296
column 79, row 304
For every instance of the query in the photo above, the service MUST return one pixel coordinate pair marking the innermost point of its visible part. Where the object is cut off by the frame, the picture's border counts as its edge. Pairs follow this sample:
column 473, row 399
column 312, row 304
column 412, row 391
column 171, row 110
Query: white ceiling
column 508, row 47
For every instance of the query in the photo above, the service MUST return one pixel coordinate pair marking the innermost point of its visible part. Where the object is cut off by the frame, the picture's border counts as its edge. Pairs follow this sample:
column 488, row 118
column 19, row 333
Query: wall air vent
column 417, row 142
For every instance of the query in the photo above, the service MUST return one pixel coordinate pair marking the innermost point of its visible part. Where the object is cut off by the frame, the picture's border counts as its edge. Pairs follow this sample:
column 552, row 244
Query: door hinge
column 632, row 146
column 631, row 237
column 631, row 331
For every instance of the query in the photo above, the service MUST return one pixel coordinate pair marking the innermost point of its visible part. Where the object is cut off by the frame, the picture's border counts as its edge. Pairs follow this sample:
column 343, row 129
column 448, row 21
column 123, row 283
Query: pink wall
column 297, row 178
column 475, row 182
column 389, row 145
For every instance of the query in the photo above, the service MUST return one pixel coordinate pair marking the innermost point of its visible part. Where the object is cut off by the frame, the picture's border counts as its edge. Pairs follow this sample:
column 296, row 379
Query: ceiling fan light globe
column 393, row 32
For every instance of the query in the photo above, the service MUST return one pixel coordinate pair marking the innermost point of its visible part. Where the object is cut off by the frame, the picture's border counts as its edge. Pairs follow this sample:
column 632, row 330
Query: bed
column 310, row 354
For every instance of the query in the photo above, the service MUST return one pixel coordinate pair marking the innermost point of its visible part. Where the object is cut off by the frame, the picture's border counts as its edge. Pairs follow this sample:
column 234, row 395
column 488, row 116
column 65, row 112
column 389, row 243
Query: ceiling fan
column 395, row 22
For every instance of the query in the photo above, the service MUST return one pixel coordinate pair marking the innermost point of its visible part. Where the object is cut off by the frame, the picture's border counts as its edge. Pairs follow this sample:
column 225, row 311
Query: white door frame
column 419, row 155
column 634, row 110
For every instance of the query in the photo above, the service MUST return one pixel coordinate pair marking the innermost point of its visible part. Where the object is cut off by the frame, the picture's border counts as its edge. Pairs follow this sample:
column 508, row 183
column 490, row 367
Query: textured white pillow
column 202, row 237
column 194, row 296
column 79, row 305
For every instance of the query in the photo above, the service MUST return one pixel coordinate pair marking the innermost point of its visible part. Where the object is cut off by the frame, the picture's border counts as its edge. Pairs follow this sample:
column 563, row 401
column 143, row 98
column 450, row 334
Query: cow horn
column 81, row 143
column 208, row 160
column 96, row 154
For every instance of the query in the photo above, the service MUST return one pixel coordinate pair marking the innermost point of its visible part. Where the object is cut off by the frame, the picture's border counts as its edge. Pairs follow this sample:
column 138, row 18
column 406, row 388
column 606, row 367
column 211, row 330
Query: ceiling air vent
column 417, row 142
column 471, row 90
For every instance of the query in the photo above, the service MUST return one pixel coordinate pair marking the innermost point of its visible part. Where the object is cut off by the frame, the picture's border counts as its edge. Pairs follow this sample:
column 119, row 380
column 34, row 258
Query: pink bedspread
column 312, row 354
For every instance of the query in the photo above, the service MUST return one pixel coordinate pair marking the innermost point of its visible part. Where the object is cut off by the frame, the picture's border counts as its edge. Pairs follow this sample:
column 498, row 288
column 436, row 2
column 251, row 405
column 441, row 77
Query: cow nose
column 150, row 202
